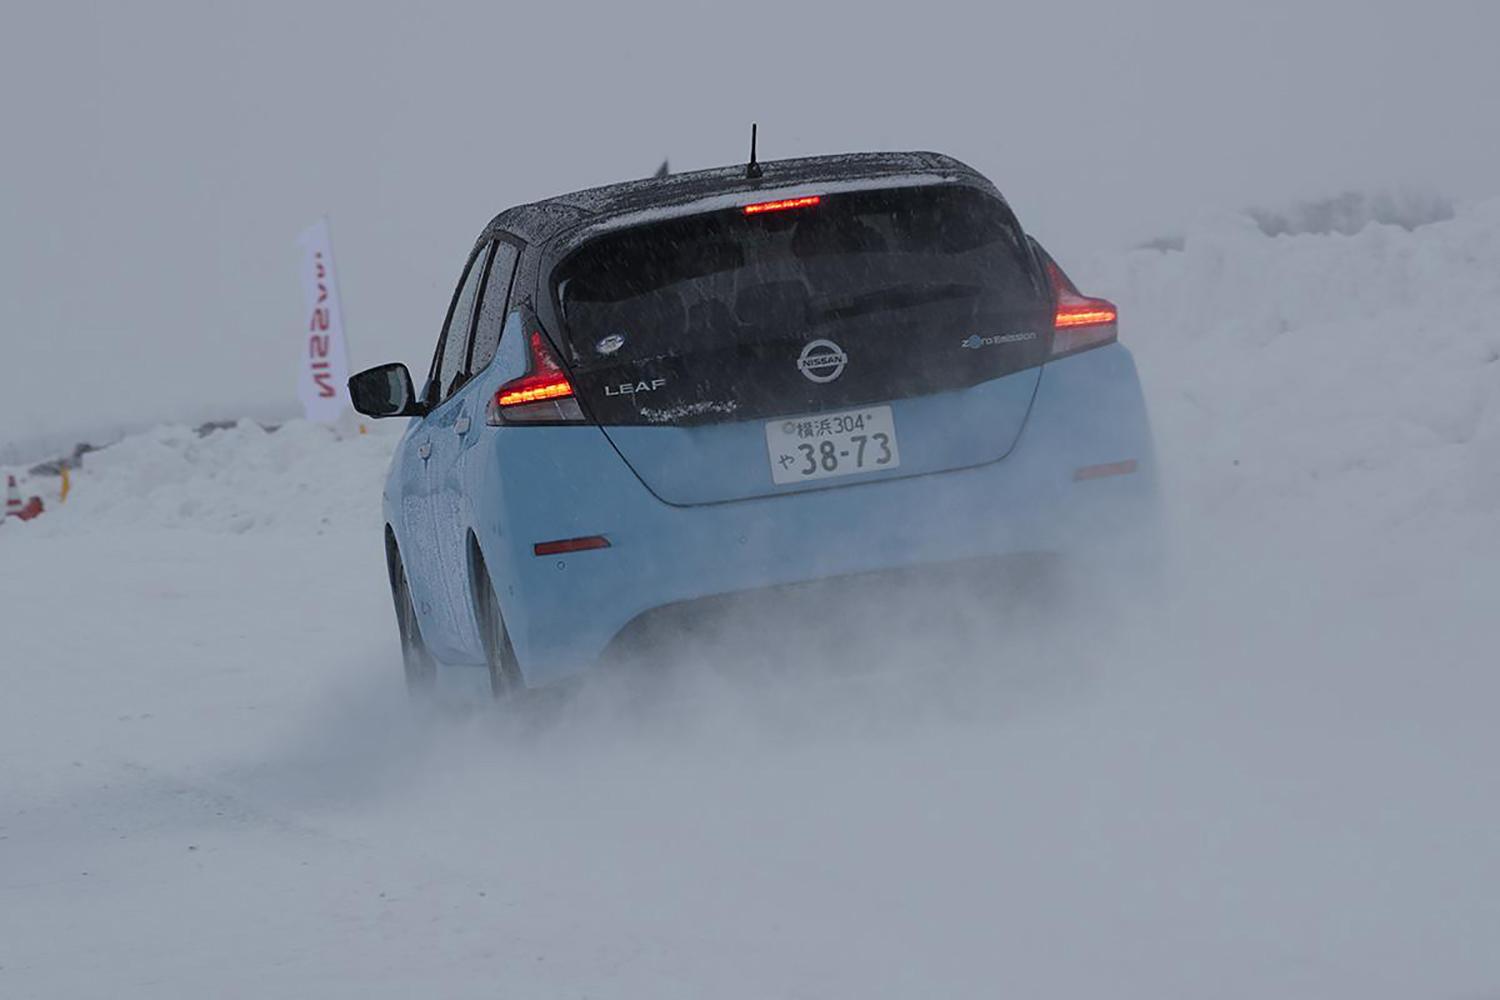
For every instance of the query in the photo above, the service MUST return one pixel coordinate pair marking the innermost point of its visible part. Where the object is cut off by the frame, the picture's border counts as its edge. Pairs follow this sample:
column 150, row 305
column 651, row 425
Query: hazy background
column 158, row 159
column 1275, row 779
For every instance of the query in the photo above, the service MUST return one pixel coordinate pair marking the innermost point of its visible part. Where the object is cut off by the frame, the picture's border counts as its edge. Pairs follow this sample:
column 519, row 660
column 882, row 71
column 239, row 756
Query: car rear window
column 870, row 260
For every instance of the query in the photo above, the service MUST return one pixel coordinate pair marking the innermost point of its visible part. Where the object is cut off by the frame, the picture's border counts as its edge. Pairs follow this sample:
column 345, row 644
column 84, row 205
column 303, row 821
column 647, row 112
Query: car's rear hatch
column 693, row 339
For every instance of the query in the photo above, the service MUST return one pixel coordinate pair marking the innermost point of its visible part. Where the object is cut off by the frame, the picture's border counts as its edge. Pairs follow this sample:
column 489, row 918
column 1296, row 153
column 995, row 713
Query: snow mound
column 1352, row 211
column 298, row 477
column 1360, row 371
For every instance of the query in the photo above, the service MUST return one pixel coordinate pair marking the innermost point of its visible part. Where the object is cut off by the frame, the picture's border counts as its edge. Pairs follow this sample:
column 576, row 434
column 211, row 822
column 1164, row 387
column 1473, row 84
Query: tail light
column 1082, row 322
column 543, row 394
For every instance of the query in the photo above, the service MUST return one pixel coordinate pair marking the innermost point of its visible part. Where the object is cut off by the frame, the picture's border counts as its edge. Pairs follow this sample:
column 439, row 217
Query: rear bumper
column 564, row 611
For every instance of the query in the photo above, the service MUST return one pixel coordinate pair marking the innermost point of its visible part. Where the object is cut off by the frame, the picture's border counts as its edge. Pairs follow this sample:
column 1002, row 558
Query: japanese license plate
column 803, row 449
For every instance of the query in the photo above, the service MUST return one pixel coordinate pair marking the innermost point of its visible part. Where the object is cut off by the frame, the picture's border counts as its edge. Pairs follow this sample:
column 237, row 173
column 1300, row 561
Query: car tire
column 499, row 654
column 417, row 663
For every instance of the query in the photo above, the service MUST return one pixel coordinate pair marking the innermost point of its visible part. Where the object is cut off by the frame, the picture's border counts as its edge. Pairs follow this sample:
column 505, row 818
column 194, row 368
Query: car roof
column 541, row 221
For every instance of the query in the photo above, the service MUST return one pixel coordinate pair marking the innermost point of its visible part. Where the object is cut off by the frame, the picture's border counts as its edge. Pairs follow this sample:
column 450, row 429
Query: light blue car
column 651, row 395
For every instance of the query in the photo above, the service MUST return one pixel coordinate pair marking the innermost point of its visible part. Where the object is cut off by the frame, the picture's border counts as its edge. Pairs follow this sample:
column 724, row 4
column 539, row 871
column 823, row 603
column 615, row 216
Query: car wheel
column 416, row 661
column 499, row 654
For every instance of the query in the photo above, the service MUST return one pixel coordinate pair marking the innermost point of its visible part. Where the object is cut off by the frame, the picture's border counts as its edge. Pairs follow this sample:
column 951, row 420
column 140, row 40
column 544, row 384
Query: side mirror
column 385, row 391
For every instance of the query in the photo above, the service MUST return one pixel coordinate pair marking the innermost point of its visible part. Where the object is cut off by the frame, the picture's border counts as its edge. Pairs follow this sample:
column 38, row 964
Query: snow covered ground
column 1280, row 781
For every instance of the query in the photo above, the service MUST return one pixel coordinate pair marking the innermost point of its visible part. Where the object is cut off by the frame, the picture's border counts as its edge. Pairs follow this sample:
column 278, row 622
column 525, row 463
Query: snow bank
column 1352, row 211
column 299, row 477
column 1359, row 372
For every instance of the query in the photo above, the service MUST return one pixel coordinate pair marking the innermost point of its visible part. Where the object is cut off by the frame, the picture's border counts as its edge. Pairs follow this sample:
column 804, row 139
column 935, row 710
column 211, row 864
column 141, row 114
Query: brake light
column 546, row 380
column 544, row 393
column 783, row 205
column 1084, row 315
column 1081, row 322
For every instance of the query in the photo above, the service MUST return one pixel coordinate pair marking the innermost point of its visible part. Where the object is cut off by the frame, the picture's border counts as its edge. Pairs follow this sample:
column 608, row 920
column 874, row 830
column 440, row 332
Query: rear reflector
column 782, row 206
column 564, row 545
column 1124, row 468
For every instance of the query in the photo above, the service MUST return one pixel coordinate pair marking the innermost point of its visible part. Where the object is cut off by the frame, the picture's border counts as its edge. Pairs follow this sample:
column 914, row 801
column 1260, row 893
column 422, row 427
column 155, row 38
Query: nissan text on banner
column 323, row 371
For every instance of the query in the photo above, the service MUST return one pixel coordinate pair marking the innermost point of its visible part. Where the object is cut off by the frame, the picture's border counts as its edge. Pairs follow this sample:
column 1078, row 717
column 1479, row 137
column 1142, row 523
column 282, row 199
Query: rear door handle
column 461, row 425
column 424, row 450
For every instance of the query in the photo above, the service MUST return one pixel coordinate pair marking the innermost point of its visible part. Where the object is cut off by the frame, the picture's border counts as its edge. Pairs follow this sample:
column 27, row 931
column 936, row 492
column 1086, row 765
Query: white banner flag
column 323, row 370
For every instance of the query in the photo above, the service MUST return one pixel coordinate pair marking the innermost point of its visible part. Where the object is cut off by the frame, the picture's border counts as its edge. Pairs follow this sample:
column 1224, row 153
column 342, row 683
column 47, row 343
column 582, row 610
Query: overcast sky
column 157, row 161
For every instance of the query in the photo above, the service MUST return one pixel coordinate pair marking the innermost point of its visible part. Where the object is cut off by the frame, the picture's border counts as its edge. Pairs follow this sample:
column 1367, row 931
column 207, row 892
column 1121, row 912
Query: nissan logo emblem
column 822, row 361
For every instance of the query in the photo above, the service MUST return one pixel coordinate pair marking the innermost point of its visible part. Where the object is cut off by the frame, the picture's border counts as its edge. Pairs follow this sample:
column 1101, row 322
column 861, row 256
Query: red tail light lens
column 783, row 205
column 1081, row 322
column 544, row 393
column 546, row 379
column 1086, row 314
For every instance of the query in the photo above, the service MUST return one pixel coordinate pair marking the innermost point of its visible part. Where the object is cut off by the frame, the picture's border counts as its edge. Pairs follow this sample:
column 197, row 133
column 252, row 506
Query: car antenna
column 752, row 169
